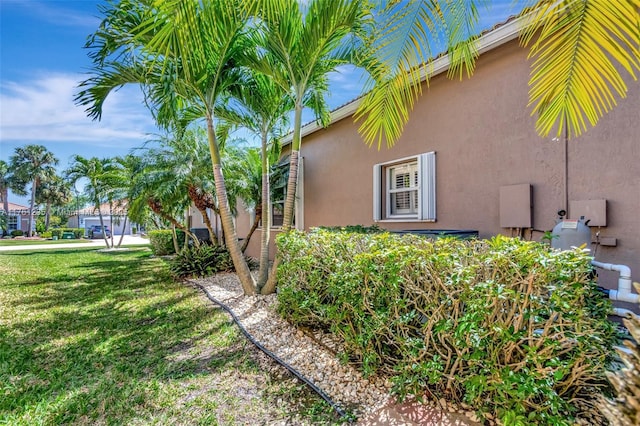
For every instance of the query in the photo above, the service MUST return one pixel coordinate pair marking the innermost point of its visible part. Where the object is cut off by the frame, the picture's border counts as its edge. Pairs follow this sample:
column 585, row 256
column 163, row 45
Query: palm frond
column 579, row 48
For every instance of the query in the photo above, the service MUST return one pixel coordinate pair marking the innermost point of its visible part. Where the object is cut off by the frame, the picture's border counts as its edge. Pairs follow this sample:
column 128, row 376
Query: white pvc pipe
column 621, row 312
column 623, row 293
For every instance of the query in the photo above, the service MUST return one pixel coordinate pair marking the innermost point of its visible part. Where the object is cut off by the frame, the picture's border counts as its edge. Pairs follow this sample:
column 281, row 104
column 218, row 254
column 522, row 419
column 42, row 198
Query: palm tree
column 303, row 48
column 5, row 183
column 95, row 171
column 260, row 106
column 180, row 167
column 53, row 192
column 34, row 164
column 186, row 55
column 580, row 49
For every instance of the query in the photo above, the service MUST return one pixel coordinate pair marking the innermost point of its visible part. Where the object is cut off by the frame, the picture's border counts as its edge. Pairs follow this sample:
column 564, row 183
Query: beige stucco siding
column 484, row 137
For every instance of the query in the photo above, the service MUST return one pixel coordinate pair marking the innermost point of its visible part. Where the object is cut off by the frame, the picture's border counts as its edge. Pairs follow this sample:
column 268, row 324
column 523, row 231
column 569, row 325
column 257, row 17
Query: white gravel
column 313, row 355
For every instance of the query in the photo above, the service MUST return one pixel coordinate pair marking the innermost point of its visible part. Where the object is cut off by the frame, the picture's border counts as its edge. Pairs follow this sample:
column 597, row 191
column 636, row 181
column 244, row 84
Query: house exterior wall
column 484, row 138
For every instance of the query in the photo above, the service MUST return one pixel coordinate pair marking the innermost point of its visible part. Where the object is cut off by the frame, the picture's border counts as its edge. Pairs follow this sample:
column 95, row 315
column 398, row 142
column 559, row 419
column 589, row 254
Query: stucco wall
column 484, row 138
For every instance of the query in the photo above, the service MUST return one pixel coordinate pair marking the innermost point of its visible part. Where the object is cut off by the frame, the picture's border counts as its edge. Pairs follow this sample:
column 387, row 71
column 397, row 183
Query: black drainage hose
column 275, row 357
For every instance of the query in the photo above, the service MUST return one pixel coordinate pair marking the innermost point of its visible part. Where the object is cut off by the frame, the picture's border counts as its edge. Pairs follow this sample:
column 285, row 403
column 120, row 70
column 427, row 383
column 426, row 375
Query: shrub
column 507, row 326
column 358, row 229
column 56, row 233
column 162, row 241
column 625, row 409
column 134, row 230
column 17, row 233
column 201, row 261
column 78, row 233
column 45, row 234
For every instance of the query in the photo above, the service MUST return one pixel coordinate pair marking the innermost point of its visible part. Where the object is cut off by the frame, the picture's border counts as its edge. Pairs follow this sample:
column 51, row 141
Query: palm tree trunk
column 47, row 216
column 124, row 226
column 174, row 237
column 110, row 222
column 207, row 223
column 5, row 202
column 32, row 206
column 263, row 272
column 104, row 231
column 189, row 234
column 289, row 204
column 239, row 262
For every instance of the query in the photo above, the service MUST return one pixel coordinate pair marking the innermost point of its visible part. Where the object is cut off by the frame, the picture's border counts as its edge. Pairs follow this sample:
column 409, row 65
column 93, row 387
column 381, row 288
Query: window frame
column 298, row 214
column 425, row 187
column 13, row 222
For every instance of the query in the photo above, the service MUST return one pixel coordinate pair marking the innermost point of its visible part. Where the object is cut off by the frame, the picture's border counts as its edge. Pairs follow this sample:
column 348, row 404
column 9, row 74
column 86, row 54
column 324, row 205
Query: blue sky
column 42, row 60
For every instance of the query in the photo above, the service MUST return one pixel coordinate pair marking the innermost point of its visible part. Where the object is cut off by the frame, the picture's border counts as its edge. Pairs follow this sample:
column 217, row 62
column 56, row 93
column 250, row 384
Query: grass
column 20, row 242
column 89, row 337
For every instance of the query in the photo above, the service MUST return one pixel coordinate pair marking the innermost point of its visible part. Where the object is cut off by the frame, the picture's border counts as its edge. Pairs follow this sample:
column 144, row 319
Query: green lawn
column 109, row 338
column 18, row 242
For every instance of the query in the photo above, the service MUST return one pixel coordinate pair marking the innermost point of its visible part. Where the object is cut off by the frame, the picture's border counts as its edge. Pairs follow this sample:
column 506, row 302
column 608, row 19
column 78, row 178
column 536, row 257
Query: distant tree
column 5, row 181
column 32, row 164
column 95, row 171
column 54, row 192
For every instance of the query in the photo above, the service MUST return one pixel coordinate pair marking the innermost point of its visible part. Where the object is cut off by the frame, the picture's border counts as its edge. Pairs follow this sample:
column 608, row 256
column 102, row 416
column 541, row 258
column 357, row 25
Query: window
column 405, row 189
column 279, row 177
column 12, row 223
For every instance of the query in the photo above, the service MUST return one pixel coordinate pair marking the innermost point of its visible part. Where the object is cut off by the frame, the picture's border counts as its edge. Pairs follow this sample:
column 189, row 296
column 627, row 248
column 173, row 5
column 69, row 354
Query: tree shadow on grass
column 101, row 346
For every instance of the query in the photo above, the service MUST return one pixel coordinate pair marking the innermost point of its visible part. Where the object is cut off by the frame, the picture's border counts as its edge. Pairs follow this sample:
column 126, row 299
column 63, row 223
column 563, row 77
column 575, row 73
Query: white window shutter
column 427, row 166
column 377, row 192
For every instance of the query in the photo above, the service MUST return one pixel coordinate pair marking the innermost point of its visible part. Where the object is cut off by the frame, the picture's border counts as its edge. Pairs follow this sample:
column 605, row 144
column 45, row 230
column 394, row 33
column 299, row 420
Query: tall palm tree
column 260, row 106
column 53, row 192
column 304, row 44
column 581, row 49
column 186, row 54
column 34, row 164
column 95, row 171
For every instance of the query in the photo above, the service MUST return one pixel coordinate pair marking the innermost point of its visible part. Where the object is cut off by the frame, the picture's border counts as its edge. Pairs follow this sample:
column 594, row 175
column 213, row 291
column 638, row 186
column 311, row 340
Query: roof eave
column 489, row 41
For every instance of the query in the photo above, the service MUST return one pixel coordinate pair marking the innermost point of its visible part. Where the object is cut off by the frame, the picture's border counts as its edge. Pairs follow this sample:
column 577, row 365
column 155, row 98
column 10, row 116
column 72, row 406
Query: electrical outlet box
column 595, row 211
column 516, row 206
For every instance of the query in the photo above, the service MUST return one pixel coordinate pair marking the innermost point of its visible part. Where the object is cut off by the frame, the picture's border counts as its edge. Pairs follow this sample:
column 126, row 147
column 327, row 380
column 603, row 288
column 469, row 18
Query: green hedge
column 17, row 233
column 161, row 241
column 507, row 326
column 78, row 233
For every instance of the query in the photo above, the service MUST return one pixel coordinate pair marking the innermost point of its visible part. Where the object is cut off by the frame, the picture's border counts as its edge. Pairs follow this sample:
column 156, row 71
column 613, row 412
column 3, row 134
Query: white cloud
column 52, row 13
column 43, row 110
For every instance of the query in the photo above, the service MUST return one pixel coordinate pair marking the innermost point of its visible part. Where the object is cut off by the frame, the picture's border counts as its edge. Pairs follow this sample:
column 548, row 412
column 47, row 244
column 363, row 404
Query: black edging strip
column 275, row 357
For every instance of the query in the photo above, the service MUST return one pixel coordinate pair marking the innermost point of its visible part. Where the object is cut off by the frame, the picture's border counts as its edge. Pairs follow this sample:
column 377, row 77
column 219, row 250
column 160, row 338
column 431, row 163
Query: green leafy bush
column 358, row 229
column 78, row 233
column 17, row 233
column 161, row 241
column 56, row 233
column 45, row 234
column 507, row 326
column 201, row 261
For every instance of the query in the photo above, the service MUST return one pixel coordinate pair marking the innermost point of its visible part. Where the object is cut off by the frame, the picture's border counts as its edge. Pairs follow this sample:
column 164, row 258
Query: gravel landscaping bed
column 312, row 354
